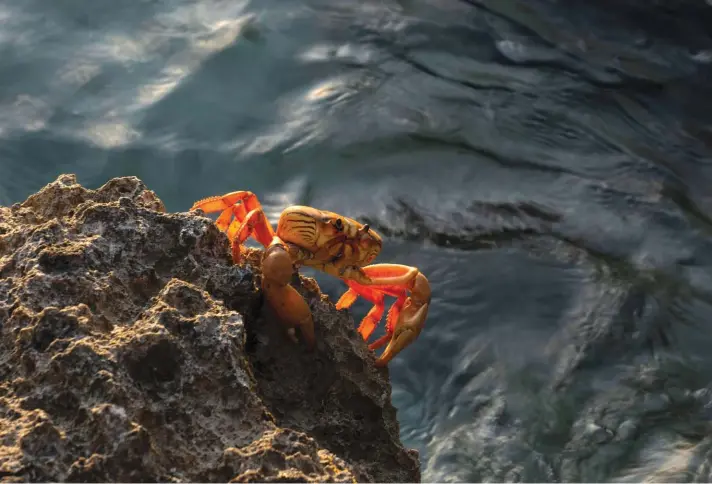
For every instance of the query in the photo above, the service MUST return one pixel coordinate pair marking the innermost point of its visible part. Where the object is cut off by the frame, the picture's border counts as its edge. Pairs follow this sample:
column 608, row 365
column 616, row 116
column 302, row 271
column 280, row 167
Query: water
column 546, row 164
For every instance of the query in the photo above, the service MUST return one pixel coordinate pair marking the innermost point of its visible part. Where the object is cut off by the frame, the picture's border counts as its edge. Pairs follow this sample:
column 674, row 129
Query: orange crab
column 334, row 244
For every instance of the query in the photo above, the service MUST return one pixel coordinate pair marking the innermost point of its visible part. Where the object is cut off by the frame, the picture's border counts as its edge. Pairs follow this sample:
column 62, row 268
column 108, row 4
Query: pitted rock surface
column 132, row 349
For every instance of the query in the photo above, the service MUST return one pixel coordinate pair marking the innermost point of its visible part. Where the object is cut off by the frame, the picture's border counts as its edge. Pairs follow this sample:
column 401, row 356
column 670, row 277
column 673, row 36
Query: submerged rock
column 132, row 350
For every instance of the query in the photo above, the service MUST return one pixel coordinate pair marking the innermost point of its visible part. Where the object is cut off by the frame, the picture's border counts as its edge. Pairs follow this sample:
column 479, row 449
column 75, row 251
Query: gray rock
column 132, row 349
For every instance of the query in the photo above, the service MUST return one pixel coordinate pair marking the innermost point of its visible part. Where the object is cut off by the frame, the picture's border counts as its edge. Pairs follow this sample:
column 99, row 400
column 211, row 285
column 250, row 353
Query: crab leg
column 371, row 320
column 223, row 202
column 241, row 217
column 406, row 316
column 249, row 218
column 391, row 321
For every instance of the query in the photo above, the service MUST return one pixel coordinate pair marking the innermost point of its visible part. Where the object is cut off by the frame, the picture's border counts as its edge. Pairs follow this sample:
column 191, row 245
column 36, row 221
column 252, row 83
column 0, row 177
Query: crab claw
column 410, row 322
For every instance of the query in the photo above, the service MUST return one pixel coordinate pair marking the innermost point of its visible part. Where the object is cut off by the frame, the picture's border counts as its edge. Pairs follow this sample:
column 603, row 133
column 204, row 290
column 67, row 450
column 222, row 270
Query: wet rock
column 133, row 350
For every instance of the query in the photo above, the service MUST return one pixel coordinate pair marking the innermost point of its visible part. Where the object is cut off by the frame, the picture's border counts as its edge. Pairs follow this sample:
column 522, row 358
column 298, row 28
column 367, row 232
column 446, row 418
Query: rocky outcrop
column 132, row 349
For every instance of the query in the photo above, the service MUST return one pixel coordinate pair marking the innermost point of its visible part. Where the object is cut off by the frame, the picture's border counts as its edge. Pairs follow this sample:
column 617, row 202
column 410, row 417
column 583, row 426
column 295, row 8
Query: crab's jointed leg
column 277, row 265
column 249, row 218
column 373, row 317
column 406, row 316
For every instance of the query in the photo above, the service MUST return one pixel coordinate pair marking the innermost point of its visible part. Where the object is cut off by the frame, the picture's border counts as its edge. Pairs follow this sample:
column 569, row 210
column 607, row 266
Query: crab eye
column 339, row 224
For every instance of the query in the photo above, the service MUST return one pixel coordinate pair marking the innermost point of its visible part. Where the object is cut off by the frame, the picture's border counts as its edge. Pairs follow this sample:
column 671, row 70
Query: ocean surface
column 547, row 164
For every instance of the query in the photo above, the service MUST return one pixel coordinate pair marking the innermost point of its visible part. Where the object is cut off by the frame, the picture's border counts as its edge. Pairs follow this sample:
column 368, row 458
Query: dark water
column 547, row 165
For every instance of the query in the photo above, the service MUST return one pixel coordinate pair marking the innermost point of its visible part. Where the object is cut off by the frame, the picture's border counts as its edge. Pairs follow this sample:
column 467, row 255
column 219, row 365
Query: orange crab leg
column 249, row 218
column 347, row 299
column 376, row 297
column 224, row 202
column 406, row 316
column 371, row 320
column 391, row 321
column 241, row 217
column 255, row 223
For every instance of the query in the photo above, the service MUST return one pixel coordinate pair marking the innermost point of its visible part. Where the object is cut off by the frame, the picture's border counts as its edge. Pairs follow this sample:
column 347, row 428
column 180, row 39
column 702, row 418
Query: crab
column 336, row 245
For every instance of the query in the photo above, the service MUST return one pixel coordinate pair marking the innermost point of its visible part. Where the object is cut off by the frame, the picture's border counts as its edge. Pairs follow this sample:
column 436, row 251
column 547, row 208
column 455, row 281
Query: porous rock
column 132, row 349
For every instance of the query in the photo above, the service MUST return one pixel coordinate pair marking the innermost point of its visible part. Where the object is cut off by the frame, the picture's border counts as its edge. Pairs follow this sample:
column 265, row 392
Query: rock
column 132, row 349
